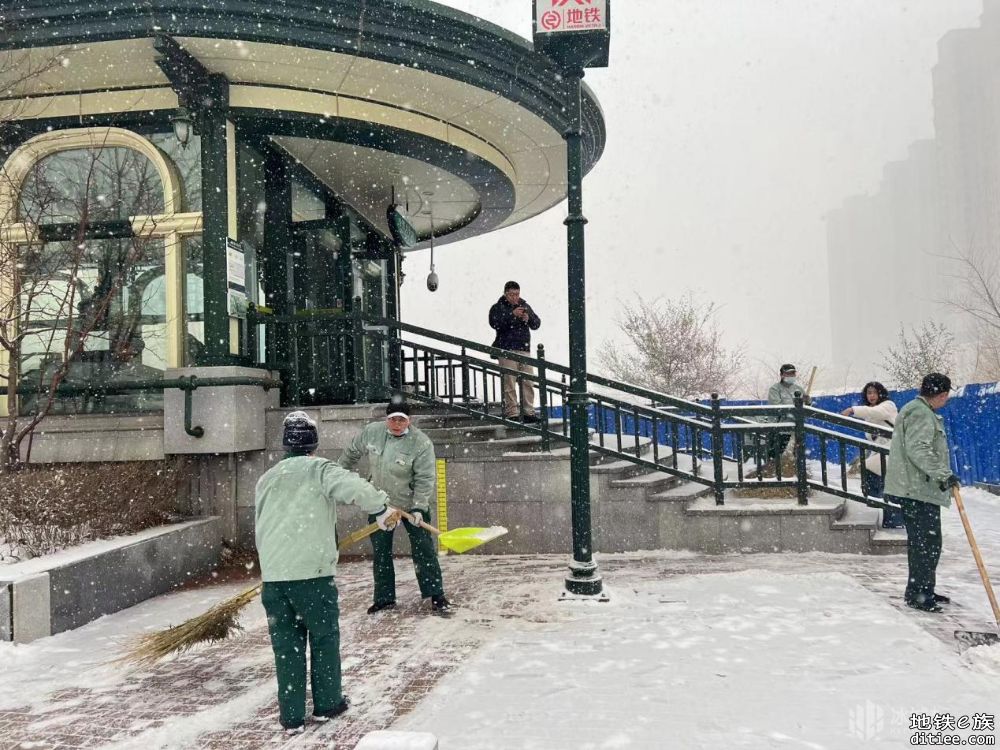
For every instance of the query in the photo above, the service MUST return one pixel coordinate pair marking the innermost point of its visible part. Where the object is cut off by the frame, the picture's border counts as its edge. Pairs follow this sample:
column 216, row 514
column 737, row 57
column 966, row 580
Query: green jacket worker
column 400, row 463
column 920, row 479
column 295, row 525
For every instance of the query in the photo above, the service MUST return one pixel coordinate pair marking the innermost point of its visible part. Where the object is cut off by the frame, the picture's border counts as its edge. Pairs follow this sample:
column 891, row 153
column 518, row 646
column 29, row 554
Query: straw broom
column 215, row 624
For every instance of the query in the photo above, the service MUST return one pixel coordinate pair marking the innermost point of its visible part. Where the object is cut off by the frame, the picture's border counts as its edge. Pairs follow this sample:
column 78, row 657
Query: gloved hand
column 387, row 519
column 417, row 517
column 952, row 481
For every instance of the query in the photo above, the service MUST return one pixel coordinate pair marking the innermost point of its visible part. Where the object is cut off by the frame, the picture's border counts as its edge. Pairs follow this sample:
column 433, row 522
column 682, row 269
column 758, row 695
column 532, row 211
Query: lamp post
column 584, row 578
column 576, row 38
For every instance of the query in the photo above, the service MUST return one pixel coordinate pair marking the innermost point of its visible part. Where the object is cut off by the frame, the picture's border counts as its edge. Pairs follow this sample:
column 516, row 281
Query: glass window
column 307, row 205
column 106, row 184
column 194, row 300
column 187, row 160
column 94, row 313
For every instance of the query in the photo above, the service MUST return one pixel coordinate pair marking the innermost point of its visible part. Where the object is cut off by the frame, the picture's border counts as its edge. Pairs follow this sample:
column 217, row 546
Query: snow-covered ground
column 750, row 659
column 691, row 651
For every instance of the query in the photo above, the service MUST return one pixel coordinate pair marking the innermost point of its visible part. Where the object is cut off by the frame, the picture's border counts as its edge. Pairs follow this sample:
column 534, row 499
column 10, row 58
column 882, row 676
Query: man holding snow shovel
column 401, row 462
column 295, row 527
column 920, row 479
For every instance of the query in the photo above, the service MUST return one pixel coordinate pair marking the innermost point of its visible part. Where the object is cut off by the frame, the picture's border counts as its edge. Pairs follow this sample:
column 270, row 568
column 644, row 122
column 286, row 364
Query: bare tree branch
column 674, row 347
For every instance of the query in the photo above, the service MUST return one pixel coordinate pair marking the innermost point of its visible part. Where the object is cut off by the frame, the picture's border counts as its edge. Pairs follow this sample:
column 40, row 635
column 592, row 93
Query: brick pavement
column 237, row 676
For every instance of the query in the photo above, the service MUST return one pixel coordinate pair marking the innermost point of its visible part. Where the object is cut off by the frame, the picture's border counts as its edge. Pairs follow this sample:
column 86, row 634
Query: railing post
column 717, row 450
column 357, row 350
column 466, row 389
column 801, row 481
column 394, row 346
column 543, row 398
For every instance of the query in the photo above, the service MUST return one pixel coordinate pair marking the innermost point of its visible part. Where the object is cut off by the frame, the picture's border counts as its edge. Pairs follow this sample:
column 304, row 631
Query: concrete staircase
column 498, row 475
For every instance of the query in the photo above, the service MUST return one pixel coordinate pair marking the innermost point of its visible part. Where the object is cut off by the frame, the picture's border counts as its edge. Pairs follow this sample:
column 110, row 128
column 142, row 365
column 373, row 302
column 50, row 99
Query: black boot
column 440, row 603
column 333, row 712
column 942, row 599
column 379, row 607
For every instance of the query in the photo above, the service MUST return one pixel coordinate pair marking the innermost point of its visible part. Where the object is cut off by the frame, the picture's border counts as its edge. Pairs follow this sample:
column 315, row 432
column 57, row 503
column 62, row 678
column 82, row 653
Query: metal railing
column 722, row 446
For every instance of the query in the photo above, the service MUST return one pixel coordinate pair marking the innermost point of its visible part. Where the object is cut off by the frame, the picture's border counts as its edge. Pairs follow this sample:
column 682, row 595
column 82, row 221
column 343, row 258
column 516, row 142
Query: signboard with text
column 236, row 283
column 559, row 16
column 574, row 33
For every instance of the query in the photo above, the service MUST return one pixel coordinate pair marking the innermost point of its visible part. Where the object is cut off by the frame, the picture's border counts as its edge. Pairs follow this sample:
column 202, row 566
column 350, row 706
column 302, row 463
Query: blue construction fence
column 971, row 420
column 971, row 417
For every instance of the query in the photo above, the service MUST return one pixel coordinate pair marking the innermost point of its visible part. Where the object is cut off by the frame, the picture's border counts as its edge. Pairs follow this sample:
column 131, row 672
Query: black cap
column 787, row 368
column 397, row 405
column 935, row 383
column 299, row 435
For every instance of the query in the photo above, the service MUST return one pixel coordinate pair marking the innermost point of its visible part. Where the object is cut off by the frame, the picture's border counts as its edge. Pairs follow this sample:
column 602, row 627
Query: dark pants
column 776, row 444
column 873, row 485
column 425, row 562
column 297, row 610
column 923, row 534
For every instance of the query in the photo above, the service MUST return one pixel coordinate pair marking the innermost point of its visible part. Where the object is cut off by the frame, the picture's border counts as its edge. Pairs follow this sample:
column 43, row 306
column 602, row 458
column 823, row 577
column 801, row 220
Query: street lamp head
column 183, row 126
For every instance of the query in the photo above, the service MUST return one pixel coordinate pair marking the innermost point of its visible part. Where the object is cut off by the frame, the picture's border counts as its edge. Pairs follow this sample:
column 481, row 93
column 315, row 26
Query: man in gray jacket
column 920, row 479
column 401, row 463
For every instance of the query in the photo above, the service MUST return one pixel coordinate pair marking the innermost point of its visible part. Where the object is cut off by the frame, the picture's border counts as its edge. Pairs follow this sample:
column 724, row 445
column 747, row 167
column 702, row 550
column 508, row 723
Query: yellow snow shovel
column 457, row 540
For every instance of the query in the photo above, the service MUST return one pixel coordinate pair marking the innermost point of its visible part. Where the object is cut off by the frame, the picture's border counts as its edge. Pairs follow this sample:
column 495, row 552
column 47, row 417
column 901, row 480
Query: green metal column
column 584, row 578
column 215, row 230
column 392, row 313
column 277, row 243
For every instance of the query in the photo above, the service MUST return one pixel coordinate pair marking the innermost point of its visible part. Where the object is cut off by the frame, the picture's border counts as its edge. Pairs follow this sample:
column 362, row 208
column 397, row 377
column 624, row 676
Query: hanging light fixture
column 183, row 126
column 432, row 277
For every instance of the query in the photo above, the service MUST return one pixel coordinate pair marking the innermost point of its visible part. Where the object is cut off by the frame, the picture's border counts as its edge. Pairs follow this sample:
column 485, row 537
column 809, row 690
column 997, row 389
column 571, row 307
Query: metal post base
column 583, row 581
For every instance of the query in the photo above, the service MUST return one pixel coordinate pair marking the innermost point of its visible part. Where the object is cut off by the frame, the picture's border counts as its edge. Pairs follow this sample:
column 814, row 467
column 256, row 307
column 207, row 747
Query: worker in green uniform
column 919, row 478
column 295, row 528
column 401, row 463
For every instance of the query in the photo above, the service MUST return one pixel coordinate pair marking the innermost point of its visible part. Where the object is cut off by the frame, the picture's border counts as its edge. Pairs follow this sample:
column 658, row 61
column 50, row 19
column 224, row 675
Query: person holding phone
column 514, row 320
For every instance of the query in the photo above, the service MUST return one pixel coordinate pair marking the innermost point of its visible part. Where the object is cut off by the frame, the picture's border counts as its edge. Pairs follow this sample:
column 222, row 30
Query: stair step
column 471, row 433
column 652, row 482
column 857, row 516
column 615, row 466
column 889, row 537
column 682, row 492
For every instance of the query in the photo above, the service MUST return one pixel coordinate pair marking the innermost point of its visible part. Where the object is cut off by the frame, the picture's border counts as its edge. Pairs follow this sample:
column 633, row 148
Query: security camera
column 432, row 282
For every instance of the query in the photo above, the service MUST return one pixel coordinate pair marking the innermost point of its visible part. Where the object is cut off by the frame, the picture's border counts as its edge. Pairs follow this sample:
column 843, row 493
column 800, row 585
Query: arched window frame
column 170, row 226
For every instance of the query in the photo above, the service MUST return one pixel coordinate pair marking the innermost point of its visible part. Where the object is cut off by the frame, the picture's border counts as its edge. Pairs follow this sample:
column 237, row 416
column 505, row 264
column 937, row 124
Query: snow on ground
column 692, row 651
column 748, row 659
column 83, row 658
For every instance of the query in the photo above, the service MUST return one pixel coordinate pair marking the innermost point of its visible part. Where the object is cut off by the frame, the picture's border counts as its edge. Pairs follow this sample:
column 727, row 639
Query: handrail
column 422, row 362
column 186, row 383
column 520, row 357
column 849, row 422
column 492, row 351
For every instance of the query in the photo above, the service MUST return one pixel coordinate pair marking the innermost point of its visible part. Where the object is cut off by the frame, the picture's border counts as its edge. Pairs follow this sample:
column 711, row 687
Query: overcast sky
column 733, row 127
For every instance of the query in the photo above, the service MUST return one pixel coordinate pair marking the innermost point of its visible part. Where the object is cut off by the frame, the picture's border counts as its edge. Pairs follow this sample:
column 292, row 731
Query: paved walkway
column 222, row 696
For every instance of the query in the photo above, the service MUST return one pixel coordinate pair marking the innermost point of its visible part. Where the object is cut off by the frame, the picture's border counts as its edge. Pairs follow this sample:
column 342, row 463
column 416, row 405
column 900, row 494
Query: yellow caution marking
column 442, row 495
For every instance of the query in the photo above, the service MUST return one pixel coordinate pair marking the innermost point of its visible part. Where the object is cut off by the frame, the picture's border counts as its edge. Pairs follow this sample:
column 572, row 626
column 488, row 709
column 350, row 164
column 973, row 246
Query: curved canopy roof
column 459, row 116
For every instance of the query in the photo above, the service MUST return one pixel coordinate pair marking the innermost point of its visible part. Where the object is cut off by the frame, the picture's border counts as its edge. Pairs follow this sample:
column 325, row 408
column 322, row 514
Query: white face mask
column 788, row 381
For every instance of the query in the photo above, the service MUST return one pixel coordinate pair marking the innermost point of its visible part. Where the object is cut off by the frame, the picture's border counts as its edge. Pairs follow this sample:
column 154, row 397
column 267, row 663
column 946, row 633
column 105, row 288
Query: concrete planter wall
column 51, row 594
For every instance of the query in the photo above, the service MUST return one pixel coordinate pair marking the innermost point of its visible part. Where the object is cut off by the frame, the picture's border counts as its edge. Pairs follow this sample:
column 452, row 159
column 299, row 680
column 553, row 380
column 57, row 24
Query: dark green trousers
column 425, row 562
column 923, row 534
column 297, row 610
